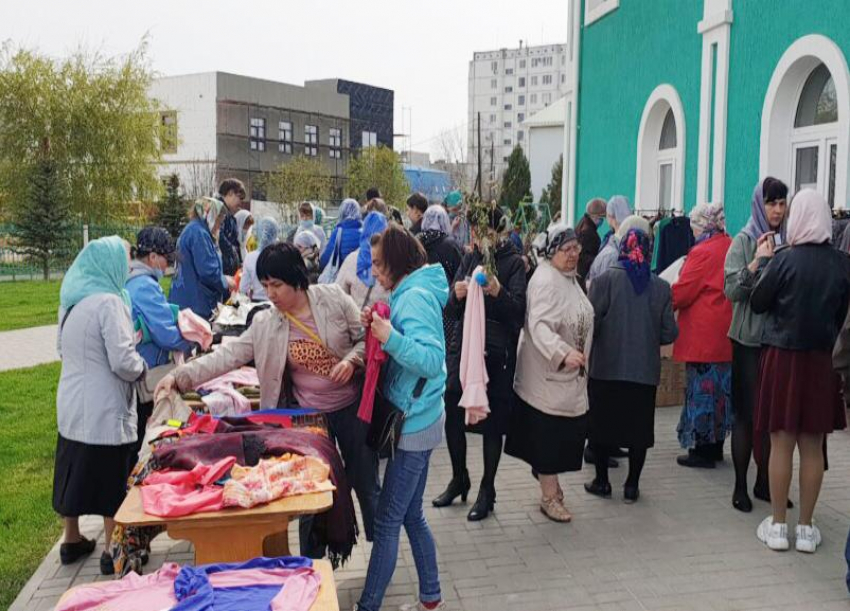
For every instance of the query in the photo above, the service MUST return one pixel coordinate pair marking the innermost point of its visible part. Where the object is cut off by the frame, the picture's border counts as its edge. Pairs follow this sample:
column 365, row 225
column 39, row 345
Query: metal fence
column 17, row 266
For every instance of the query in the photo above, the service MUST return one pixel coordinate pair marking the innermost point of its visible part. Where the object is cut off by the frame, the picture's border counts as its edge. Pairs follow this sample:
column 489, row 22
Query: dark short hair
column 418, row 201
column 401, row 252
column 774, row 189
column 372, row 193
column 229, row 185
column 283, row 261
column 306, row 208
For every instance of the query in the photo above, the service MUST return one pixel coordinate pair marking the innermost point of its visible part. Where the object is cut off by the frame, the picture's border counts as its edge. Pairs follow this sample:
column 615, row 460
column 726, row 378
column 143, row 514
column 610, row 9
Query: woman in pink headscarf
column 804, row 293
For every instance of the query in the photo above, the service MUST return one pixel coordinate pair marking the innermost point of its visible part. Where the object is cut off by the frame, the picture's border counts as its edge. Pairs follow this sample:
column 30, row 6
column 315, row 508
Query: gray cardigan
column 629, row 329
column 96, row 399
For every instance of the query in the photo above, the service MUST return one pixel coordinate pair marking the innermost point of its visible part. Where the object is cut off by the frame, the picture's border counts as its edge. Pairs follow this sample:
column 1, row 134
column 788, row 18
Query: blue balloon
column 481, row 278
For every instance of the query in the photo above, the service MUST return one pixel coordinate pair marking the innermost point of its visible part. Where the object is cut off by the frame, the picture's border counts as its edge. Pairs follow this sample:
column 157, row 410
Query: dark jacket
column 804, row 292
column 348, row 234
column 505, row 318
column 588, row 238
column 199, row 283
column 444, row 250
column 228, row 243
column 629, row 329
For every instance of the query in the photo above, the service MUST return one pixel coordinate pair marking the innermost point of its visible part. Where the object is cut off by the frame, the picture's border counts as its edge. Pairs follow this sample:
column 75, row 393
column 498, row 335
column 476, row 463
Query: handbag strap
column 368, row 294
column 306, row 330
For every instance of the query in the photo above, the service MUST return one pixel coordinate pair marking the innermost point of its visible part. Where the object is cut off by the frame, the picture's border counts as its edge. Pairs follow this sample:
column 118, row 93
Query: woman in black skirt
column 634, row 318
column 504, row 305
column 549, row 421
column 95, row 401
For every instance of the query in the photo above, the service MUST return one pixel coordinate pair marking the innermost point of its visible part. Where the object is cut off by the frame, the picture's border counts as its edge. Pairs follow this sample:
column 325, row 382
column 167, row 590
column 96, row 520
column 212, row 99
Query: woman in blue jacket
column 200, row 283
column 414, row 381
column 346, row 232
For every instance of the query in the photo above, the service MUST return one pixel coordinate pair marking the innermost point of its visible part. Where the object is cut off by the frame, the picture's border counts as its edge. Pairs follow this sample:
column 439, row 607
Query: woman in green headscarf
column 96, row 399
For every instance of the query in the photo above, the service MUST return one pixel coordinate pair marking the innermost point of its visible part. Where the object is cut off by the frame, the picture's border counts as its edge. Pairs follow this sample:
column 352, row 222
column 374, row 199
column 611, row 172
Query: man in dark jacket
column 231, row 192
column 417, row 204
column 588, row 237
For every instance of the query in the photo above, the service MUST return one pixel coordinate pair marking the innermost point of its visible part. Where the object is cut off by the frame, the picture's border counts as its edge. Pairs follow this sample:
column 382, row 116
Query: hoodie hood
column 137, row 268
column 428, row 278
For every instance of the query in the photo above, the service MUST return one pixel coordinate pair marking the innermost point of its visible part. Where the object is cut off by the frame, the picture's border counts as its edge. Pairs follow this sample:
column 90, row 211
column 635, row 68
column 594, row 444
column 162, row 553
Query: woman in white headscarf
column 610, row 252
column 804, row 293
column 268, row 232
column 244, row 221
column 309, row 246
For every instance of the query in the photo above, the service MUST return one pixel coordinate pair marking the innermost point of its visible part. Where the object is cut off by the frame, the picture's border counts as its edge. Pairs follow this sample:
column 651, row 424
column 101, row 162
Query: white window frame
column 369, row 139
column 284, row 133
column 594, row 14
column 257, row 134
column 650, row 158
column 335, row 142
column 311, row 140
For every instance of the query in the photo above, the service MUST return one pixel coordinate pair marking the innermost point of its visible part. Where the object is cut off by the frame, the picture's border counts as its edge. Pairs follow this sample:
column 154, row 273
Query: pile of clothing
column 260, row 584
column 276, row 478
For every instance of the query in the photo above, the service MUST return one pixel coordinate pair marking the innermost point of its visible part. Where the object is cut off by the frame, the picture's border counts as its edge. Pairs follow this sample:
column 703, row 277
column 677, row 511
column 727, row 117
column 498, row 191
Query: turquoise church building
column 676, row 102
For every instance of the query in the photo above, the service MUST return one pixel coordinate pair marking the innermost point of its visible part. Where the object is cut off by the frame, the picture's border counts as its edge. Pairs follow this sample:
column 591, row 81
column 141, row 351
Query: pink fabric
column 224, row 399
column 375, row 358
column 473, row 370
column 194, row 328
column 155, row 592
column 810, row 219
column 171, row 494
column 276, row 478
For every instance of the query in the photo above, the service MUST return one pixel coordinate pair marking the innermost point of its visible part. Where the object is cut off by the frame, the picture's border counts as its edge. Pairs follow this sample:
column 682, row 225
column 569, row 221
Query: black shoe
column 619, row 453
column 144, row 556
column 631, row 494
column 600, row 490
column 590, row 458
column 695, row 460
column 764, row 495
column 69, row 553
column 483, row 505
column 715, row 452
column 458, row 487
column 741, row 501
column 106, row 565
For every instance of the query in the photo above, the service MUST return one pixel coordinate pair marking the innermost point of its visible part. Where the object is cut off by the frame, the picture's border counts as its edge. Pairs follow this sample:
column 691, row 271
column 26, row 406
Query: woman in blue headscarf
column 267, row 232
column 633, row 313
column 96, row 400
column 355, row 275
column 345, row 238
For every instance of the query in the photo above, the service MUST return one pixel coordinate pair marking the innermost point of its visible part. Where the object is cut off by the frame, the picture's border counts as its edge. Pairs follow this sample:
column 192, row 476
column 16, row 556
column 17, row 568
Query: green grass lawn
column 32, row 303
column 28, row 525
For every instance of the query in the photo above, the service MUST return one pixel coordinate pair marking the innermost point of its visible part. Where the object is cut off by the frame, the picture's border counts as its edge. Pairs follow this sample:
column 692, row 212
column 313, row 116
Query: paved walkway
column 28, row 347
column 680, row 547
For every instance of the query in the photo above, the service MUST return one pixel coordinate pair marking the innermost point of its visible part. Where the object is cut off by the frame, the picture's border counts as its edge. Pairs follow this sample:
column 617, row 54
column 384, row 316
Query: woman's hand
column 492, row 288
column 231, row 283
column 342, row 372
column 166, row 386
column 381, row 328
column 461, row 288
column 366, row 317
column 765, row 246
column 574, row 360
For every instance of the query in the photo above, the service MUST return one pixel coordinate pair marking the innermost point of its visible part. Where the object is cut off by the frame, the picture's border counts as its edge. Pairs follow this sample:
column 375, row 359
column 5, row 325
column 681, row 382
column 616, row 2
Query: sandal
column 554, row 510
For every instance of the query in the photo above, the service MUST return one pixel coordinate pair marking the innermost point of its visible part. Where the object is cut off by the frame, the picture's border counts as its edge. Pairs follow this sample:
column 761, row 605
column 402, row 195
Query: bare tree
column 200, row 178
column 450, row 150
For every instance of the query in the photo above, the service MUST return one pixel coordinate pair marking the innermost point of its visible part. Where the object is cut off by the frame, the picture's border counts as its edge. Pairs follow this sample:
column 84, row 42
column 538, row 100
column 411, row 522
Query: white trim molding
column 663, row 98
column 780, row 108
column 599, row 11
column 568, row 176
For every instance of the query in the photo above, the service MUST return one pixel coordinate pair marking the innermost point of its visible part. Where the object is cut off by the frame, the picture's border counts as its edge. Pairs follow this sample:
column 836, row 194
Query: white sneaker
column 808, row 538
column 418, row 606
column 775, row 536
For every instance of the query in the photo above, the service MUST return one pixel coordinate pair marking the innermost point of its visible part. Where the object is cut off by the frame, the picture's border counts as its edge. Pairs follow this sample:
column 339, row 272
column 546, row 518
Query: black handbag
column 387, row 420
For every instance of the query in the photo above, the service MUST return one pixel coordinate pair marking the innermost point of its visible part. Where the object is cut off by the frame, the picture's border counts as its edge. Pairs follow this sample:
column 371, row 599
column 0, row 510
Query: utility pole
column 492, row 166
column 478, row 179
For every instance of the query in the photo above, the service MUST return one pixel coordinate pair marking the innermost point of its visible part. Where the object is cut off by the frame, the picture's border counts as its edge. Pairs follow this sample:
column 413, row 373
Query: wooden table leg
column 235, row 543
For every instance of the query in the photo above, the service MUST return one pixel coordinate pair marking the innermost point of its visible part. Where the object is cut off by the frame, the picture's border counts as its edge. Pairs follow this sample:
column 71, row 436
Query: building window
column 369, row 139
column 520, row 117
column 494, row 66
column 661, row 153
column 311, row 140
column 547, row 79
column 508, row 107
column 521, row 82
column 507, row 142
column 335, row 142
column 595, row 10
column 547, row 99
column 509, row 70
column 493, row 83
column 507, row 124
column 168, row 139
column 257, row 132
column 534, row 98
column 520, row 100
column 534, row 81
column 492, row 101
column 509, row 89
column 520, row 136
column 284, row 134
column 492, row 118
column 522, row 63
column 541, row 61
column 563, row 78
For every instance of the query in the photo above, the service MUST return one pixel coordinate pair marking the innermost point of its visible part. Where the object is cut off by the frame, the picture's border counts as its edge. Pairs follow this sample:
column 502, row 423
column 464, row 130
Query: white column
column 568, row 176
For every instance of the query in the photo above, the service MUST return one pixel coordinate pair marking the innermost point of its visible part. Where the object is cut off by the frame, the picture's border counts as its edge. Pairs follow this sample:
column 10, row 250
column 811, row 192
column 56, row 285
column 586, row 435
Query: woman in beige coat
column 549, row 420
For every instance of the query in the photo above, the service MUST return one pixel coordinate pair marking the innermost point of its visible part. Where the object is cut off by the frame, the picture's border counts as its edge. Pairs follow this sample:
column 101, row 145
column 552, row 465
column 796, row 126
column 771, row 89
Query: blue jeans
column 400, row 504
column 361, row 471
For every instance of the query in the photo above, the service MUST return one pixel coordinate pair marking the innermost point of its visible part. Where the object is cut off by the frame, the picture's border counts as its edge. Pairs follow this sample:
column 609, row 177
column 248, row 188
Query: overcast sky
column 421, row 50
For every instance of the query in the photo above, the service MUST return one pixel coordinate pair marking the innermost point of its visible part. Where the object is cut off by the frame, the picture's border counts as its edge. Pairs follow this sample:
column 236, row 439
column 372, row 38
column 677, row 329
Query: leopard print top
column 313, row 357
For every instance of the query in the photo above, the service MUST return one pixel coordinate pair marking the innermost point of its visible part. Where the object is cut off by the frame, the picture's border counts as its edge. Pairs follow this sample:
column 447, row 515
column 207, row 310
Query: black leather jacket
column 805, row 292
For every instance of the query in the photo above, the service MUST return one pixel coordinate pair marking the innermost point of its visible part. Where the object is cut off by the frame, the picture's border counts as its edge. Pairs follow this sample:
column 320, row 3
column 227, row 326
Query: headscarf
column 208, row 208
column 375, row 222
column 242, row 217
column 101, row 267
column 636, row 256
column 548, row 243
column 318, row 215
column 757, row 226
column 619, row 208
column 268, row 232
column 710, row 219
column 349, row 210
column 436, row 219
column 453, row 200
column 810, row 219
column 632, row 222
column 306, row 239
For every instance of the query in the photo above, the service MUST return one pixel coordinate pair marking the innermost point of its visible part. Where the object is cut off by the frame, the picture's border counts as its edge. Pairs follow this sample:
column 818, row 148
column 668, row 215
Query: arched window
column 668, row 132
column 661, row 149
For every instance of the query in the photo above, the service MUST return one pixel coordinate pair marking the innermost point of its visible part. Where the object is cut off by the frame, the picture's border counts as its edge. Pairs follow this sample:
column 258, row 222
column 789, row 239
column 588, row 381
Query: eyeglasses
column 570, row 249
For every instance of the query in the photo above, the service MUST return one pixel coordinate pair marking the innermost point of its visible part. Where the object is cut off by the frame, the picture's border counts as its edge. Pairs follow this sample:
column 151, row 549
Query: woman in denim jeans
column 414, row 380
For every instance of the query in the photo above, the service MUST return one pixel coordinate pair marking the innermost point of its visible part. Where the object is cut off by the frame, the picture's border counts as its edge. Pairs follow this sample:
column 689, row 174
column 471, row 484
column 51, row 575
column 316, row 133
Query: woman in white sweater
column 355, row 275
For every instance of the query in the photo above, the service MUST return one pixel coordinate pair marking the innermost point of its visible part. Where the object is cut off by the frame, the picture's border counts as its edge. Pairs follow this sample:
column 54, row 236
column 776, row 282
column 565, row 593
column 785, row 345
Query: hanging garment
column 193, row 328
column 675, row 239
column 172, row 494
column 276, row 478
column 223, row 398
column 375, row 358
column 473, row 369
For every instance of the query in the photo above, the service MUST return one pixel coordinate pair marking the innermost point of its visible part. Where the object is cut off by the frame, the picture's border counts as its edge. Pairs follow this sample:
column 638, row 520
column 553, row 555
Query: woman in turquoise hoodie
column 414, row 380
